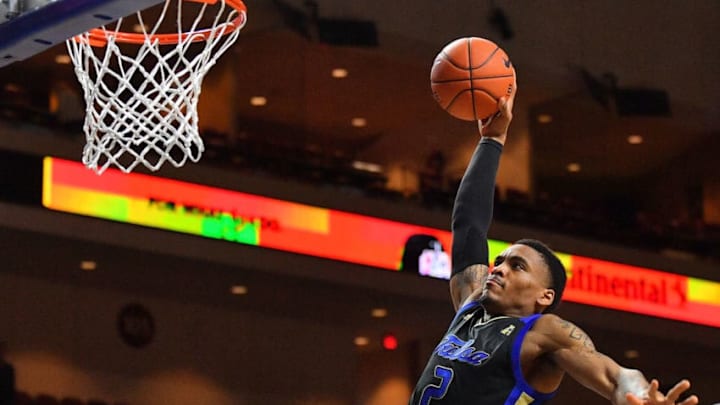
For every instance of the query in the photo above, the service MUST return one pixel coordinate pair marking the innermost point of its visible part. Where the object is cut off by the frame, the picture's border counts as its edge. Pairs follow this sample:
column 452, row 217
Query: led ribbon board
column 271, row 223
column 224, row 214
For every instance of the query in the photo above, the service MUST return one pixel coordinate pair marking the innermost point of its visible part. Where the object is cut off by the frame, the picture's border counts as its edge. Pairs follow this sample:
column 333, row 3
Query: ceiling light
column 358, row 122
column 258, row 101
column 139, row 28
column 632, row 354
column 635, row 139
column 544, row 118
column 368, row 167
column 238, row 290
column 88, row 265
column 379, row 312
column 63, row 59
column 361, row 341
column 574, row 167
column 339, row 73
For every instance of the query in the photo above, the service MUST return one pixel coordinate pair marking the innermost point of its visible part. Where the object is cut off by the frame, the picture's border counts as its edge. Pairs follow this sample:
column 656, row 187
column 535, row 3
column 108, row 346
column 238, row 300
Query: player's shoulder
column 547, row 324
column 551, row 323
column 554, row 332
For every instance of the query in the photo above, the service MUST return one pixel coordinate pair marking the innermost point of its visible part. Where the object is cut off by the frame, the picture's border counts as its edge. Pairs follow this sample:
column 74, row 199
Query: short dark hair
column 558, row 277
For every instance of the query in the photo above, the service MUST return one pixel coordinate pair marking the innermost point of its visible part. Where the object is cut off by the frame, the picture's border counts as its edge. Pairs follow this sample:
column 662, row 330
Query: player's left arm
column 572, row 350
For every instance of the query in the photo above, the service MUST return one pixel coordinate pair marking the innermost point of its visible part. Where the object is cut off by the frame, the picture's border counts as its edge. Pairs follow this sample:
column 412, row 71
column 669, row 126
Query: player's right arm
column 468, row 285
column 473, row 209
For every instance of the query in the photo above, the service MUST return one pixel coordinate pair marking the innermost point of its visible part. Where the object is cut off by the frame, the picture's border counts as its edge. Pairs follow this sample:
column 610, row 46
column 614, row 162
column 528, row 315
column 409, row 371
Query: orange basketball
column 469, row 76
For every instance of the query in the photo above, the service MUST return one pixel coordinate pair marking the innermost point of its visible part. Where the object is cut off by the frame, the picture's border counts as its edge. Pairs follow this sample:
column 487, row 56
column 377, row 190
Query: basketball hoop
column 141, row 88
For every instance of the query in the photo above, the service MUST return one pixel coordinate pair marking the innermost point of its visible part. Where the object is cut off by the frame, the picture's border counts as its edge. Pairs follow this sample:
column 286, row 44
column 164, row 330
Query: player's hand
column 496, row 127
column 655, row 397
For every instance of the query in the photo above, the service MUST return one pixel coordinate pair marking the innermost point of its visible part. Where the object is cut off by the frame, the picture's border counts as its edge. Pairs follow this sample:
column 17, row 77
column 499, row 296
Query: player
column 504, row 346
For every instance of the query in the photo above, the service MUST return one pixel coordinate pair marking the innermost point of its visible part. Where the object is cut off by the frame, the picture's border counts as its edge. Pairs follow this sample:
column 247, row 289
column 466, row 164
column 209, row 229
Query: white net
column 141, row 88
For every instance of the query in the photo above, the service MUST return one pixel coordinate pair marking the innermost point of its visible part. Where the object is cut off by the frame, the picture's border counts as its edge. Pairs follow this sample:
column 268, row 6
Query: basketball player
column 504, row 346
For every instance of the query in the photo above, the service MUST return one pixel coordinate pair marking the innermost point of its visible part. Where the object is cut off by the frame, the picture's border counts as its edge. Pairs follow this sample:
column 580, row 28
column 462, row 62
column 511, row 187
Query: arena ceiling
column 563, row 51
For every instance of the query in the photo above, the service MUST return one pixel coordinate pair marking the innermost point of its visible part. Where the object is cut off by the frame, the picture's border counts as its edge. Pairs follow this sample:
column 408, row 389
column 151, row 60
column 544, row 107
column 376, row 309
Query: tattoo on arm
column 476, row 275
column 577, row 334
column 468, row 283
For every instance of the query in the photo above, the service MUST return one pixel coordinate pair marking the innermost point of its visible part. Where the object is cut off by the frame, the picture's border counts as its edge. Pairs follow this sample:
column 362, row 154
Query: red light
column 389, row 342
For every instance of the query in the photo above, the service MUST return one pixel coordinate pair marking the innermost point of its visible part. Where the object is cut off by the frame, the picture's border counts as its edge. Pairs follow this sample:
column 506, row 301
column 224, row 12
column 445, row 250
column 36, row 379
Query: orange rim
column 99, row 37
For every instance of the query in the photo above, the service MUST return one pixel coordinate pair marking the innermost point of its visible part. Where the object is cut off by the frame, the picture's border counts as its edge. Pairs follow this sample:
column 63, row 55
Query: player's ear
column 546, row 297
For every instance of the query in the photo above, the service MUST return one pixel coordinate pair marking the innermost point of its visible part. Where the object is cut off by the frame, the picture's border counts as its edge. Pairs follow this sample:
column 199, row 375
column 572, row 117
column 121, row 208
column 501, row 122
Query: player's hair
column 558, row 277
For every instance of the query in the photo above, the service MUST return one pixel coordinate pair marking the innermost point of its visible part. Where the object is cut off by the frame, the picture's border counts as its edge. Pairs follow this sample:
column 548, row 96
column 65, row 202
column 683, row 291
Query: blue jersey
column 478, row 362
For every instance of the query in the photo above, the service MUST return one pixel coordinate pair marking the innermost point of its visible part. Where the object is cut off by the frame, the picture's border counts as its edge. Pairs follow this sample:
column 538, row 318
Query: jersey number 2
column 433, row 391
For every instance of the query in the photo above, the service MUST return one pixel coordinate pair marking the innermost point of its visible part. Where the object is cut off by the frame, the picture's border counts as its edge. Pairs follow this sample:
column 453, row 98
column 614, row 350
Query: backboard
column 28, row 27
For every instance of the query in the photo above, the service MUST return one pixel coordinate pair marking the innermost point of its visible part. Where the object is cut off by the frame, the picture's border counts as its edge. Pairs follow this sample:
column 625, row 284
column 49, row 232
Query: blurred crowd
column 336, row 166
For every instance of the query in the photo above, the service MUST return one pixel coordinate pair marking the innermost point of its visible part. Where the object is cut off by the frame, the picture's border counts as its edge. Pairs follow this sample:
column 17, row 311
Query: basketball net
column 141, row 88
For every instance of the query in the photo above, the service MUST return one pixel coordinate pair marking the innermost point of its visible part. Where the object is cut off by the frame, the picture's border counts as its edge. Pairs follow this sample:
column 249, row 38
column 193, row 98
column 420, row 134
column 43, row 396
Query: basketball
column 469, row 76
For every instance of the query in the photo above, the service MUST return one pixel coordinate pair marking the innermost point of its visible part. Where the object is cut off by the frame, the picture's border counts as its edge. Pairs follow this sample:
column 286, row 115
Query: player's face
column 518, row 282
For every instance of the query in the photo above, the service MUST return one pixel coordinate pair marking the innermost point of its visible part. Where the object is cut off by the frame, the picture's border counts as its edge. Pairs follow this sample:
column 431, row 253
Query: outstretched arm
column 473, row 208
column 574, row 353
